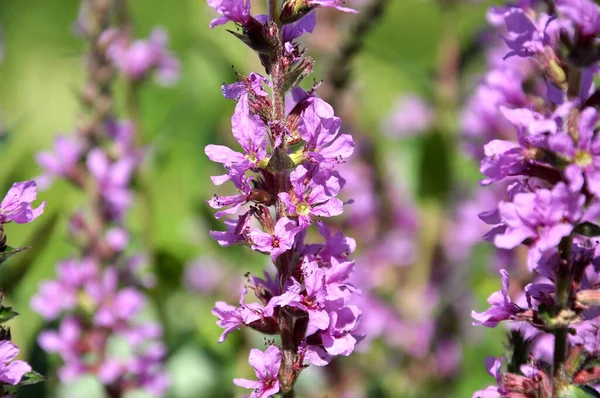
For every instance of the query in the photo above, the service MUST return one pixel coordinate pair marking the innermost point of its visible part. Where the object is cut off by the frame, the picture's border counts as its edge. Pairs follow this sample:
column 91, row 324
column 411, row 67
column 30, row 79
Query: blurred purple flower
column 61, row 162
column 410, row 116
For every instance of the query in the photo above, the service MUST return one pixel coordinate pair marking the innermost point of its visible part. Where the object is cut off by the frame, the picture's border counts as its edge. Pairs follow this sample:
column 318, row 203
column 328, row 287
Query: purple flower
column 524, row 37
column 266, row 365
column 61, row 294
column 252, row 83
column 320, row 129
column 11, row 372
column 116, row 307
column 543, row 217
column 584, row 155
column 410, row 116
column 502, row 307
column 507, row 158
column 250, row 131
column 493, row 367
column 61, row 162
column 312, row 195
column 16, row 205
column 204, row 275
column 243, row 185
column 278, row 242
column 66, row 343
column 338, row 339
column 237, row 11
column 311, row 301
column 136, row 60
column 112, row 180
column 337, row 4
column 234, row 233
column 233, row 318
column 306, row 24
column 584, row 13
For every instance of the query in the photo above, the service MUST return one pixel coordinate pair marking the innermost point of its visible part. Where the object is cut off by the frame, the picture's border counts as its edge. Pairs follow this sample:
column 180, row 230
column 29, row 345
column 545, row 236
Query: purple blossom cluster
column 135, row 60
column 389, row 227
column 537, row 110
column 98, row 296
column 286, row 181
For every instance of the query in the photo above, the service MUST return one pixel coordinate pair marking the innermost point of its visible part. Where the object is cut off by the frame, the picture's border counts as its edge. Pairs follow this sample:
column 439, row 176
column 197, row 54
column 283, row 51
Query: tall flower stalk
column 99, row 292
column 285, row 180
column 551, row 201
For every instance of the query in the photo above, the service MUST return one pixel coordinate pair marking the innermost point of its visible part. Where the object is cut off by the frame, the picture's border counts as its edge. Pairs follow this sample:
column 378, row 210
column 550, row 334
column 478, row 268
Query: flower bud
column 293, row 10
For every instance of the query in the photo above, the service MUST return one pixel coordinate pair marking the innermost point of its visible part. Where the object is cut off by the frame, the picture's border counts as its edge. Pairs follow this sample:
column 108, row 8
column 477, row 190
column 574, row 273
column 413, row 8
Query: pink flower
column 266, row 365
column 277, row 243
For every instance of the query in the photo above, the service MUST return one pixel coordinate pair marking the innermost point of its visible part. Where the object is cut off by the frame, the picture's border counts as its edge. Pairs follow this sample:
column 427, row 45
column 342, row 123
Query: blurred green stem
column 446, row 103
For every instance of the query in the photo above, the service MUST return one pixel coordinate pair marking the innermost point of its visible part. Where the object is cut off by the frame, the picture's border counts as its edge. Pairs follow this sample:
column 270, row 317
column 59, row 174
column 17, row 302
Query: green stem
column 563, row 296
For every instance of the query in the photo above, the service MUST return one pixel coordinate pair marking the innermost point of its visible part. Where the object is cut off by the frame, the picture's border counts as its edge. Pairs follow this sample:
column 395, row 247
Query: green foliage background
column 39, row 80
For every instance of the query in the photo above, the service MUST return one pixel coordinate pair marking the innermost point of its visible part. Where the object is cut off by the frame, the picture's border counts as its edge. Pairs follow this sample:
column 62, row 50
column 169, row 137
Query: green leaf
column 588, row 229
column 8, row 252
column 7, row 313
column 574, row 391
column 32, row 378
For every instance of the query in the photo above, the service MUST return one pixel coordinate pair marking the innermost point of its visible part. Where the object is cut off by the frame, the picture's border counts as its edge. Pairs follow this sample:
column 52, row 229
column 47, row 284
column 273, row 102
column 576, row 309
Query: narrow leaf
column 7, row 313
column 32, row 378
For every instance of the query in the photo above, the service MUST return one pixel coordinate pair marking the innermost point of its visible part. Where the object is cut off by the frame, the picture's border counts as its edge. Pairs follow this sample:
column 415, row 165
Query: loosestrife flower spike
column 97, row 296
column 285, row 179
column 538, row 144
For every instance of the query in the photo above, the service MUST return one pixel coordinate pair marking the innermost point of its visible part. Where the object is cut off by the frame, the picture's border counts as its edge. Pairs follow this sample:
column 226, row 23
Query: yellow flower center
column 251, row 157
column 583, row 158
column 303, row 209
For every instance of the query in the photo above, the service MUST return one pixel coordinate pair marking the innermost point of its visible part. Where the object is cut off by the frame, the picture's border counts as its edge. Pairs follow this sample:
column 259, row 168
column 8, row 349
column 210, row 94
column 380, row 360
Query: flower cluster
column 98, row 294
column 15, row 207
column 543, row 150
column 286, row 180
column 135, row 60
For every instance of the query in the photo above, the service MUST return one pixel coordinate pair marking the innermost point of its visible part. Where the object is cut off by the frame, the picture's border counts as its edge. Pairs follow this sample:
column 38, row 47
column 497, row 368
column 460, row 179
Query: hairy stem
column 287, row 372
column 563, row 297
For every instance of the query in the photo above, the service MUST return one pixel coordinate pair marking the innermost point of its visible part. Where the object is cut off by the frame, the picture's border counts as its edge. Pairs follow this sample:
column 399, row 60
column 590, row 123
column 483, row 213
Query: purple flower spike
column 16, row 205
column 502, row 307
column 266, row 365
column 277, row 243
column 11, row 372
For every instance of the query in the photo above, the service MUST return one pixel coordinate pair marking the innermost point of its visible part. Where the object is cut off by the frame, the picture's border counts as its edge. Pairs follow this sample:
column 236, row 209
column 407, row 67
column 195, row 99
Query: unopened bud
column 555, row 73
column 293, row 10
column 588, row 298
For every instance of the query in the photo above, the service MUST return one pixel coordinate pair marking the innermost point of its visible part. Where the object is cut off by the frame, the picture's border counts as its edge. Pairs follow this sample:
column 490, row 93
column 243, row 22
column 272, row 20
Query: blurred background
column 411, row 181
